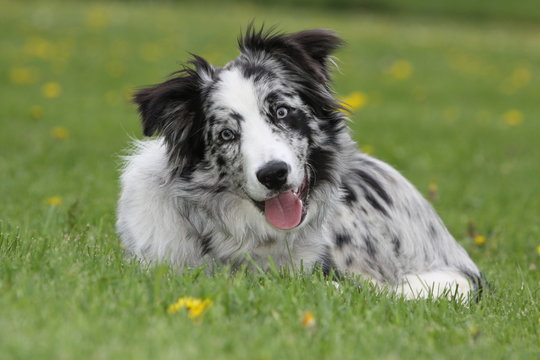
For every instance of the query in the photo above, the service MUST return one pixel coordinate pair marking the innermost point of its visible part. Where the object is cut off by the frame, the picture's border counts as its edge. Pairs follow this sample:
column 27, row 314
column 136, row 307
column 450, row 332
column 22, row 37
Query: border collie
column 253, row 163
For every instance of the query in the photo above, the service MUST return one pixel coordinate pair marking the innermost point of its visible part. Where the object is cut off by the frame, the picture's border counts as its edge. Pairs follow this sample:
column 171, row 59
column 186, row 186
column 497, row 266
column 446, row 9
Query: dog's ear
column 164, row 105
column 173, row 109
column 318, row 44
column 309, row 49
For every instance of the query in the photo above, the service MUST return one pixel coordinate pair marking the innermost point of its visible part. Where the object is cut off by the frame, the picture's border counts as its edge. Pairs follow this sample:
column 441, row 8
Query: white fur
column 154, row 225
column 435, row 284
column 259, row 145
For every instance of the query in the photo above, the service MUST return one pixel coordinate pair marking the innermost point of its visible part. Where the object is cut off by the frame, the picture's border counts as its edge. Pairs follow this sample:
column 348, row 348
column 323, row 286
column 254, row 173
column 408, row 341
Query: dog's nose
column 273, row 175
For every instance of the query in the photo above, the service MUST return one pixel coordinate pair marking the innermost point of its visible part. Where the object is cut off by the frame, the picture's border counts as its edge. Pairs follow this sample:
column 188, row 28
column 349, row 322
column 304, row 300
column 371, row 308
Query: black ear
column 165, row 103
column 174, row 110
column 310, row 49
column 318, row 44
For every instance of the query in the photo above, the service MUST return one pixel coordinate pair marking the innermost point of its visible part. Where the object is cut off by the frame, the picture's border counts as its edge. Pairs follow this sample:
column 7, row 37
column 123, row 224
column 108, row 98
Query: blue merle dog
column 254, row 160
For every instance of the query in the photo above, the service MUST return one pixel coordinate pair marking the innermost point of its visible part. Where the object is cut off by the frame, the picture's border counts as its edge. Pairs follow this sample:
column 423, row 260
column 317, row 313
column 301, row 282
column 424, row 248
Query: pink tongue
column 284, row 211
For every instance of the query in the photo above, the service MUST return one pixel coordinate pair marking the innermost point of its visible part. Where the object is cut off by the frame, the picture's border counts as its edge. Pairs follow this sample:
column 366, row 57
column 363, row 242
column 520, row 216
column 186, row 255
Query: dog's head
column 264, row 127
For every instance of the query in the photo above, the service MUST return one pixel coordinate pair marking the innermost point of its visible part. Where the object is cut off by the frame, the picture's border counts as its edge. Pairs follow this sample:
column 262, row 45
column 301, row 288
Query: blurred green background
column 445, row 91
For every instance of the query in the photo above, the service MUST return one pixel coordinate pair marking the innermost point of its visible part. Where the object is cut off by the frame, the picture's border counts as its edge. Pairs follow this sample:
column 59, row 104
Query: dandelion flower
column 22, row 76
column 197, row 309
column 433, row 191
column 174, row 308
column 308, row 319
column 355, row 100
column 128, row 94
column 51, row 90
column 194, row 306
column 513, row 117
column 367, row 149
column 519, row 78
column 538, row 250
column 60, row 133
column 39, row 47
column 401, row 69
column 479, row 240
column 36, row 112
column 474, row 331
column 53, row 201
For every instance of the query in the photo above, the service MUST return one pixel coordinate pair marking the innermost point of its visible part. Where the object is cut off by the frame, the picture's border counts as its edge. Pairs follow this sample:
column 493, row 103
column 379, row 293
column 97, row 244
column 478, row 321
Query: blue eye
column 281, row 112
column 227, row 135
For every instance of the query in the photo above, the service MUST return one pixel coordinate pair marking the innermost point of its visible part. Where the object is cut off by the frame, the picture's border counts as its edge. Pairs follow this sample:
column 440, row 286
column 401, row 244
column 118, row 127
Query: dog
column 253, row 163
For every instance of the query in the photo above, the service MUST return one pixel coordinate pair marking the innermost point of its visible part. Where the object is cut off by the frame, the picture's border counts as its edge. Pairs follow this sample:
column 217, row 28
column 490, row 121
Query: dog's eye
column 281, row 112
column 227, row 135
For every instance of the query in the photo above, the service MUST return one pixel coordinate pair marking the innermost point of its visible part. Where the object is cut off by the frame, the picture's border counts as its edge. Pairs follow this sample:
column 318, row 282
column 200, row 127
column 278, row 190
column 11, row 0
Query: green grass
column 66, row 290
column 477, row 10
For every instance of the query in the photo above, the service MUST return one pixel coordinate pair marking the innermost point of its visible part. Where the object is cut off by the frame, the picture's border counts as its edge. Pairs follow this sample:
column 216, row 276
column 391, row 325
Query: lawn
column 452, row 103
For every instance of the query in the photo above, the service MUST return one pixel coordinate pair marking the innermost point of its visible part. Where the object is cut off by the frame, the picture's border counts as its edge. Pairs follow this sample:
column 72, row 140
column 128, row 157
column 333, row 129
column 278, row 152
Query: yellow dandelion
column 51, row 90
column 520, row 77
column 538, row 250
column 39, row 47
column 194, row 306
column 197, row 309
column 433, row 191
column 35, row 112
column 22, row 76
column 401, row 69
column 60, row 133
column 97, row 19
column 474, row 331
column 308, row 319
column 479, row 240
column 513, row 117
column 174, row 308
column 354, row 101
column 128, row 93
column 367, row 149
column 53, row 201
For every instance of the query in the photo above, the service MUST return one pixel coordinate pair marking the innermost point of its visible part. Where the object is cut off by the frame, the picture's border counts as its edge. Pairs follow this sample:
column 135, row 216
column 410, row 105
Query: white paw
column 435, row 284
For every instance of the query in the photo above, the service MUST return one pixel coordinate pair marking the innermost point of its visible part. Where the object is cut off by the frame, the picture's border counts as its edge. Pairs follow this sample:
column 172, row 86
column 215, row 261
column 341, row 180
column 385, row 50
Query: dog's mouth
column 287, row 209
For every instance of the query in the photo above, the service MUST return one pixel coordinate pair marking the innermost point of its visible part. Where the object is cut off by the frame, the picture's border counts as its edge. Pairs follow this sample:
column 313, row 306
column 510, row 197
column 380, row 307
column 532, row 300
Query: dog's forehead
column 237, row 92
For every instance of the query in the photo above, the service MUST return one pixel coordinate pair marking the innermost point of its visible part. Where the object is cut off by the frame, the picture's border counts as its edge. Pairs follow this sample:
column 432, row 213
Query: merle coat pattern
column 255, row 160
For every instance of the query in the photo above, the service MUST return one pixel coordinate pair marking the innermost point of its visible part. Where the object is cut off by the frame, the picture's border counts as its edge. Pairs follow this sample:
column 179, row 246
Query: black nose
column 273, row 175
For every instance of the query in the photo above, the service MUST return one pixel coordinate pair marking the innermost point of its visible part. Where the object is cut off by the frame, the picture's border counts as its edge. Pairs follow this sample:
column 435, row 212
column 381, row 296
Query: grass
column 522, row 10
column 450, row 103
